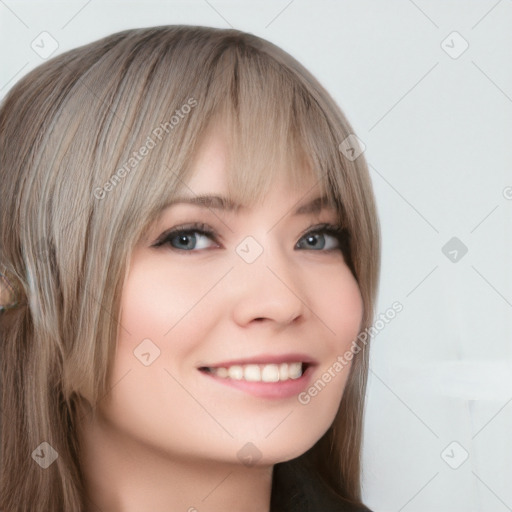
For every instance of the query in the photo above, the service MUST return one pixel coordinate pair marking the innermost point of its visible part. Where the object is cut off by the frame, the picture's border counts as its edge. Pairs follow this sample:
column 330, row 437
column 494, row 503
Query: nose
column 267, row 290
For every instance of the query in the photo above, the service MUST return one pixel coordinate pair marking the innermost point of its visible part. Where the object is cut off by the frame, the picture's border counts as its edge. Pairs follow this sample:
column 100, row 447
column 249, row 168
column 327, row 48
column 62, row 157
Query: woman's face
column 213, row 317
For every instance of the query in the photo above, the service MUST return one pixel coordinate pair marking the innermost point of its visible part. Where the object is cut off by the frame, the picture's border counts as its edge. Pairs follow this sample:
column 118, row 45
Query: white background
column 438, row 136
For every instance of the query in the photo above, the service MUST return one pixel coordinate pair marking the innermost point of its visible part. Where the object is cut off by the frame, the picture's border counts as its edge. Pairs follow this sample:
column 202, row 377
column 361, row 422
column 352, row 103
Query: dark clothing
column 297, row 488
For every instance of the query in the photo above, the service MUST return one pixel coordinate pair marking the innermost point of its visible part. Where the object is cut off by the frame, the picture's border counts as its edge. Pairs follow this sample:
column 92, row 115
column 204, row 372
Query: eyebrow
column 224, row 203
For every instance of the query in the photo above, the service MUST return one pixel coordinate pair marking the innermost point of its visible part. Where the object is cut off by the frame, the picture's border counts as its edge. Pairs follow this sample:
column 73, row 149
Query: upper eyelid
column 186, row 228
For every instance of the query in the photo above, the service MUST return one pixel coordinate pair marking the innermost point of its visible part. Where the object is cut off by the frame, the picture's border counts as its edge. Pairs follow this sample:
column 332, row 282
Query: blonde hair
column 70, row 216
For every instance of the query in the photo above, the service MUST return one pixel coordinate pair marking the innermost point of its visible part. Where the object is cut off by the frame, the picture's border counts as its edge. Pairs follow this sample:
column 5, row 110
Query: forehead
column 209, row 166
column 209, row 171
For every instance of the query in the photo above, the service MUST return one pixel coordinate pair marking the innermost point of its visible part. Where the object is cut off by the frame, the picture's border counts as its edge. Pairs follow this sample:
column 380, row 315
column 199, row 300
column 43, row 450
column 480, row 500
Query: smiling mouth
column 259, row 372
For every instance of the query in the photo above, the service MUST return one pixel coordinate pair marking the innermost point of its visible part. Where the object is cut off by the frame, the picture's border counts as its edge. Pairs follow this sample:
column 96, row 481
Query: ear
column 10, row 290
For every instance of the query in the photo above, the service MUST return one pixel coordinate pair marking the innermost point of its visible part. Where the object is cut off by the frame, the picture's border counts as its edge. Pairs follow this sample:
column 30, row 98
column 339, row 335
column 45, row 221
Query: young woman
column 189, row 258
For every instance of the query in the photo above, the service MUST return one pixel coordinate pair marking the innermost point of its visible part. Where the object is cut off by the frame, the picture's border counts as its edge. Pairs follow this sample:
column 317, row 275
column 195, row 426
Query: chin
column 276, row 451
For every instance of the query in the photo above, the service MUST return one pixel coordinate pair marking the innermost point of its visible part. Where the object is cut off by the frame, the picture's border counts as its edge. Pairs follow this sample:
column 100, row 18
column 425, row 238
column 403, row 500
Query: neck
column 122, row 474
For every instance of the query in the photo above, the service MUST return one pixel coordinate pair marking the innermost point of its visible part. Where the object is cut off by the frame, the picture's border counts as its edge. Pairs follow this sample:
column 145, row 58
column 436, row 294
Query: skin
column 166, row 438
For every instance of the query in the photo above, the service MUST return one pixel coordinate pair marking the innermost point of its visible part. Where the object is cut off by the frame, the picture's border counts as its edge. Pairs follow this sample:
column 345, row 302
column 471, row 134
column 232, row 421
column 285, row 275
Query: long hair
column 78, row 189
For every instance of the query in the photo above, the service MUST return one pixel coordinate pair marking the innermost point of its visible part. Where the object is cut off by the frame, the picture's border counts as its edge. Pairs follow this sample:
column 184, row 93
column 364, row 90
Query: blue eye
column 323, row 238
column 189, row 241
column 196, row 237
column 190, row 238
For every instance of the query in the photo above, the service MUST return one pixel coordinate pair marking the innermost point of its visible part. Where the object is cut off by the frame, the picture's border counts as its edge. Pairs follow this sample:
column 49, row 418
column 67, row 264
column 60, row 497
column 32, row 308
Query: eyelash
column 336, row 231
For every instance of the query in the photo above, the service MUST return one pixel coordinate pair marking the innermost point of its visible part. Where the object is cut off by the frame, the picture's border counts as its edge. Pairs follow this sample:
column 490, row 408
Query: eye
column 326, row 237
column 188, row 238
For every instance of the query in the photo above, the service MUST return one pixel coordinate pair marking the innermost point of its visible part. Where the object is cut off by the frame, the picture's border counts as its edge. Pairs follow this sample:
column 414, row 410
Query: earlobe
column 10, row 291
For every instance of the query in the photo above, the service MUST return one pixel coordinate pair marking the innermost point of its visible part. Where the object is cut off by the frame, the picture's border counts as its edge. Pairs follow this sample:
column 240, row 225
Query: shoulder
column 298, row 488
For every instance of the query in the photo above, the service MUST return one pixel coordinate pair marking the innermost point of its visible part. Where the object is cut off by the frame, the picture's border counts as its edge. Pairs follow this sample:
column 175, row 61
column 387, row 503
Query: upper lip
column 264, row 359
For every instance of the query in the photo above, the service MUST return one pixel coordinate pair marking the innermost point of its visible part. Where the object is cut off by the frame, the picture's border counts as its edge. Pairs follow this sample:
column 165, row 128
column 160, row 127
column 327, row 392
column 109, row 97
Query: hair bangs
column 267, row 117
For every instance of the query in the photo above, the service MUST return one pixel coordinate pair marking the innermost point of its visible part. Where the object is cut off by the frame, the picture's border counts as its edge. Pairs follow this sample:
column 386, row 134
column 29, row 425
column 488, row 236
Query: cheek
column 339, row 306
column 156, row 333
column 155, row 299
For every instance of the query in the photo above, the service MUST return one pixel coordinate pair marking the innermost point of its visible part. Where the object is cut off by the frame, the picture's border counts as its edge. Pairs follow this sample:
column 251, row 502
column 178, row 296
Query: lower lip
column 276, row 390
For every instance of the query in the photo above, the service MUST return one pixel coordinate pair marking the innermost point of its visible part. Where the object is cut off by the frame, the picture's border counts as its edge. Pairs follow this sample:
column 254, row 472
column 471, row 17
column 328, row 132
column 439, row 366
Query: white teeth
column 235, row 372
column 283, row 371
column 270, row 373
column 294, row 370
column 260, row 372
column 252, row 373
